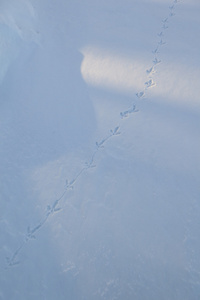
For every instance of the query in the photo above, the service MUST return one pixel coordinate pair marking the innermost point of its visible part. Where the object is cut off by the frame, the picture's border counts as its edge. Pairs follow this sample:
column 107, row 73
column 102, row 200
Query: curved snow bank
column 20, row 17
column 17, row 23
column 104, row 69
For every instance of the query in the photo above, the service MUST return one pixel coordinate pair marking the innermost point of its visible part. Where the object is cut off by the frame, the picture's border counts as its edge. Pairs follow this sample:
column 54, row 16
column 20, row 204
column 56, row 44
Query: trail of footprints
column 56, row 205
column 156, row 61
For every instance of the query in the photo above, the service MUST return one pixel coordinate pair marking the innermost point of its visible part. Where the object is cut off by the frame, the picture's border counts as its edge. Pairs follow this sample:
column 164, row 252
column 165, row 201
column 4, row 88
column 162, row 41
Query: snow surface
column 99, row 149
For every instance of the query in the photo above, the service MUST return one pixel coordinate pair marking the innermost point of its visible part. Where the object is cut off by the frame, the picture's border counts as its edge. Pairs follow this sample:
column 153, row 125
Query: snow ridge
column 70, row 184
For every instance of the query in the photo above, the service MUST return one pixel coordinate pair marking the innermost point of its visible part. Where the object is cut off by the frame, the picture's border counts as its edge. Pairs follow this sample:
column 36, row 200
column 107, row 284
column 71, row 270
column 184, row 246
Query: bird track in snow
column 56, row 207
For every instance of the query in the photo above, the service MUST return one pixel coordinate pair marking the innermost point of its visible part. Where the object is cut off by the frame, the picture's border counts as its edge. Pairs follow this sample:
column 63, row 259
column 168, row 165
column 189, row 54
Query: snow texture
column 99, row 149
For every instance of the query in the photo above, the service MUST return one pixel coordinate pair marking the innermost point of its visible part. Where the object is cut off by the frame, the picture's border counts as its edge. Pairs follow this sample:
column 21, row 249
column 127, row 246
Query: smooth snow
column 99, row 149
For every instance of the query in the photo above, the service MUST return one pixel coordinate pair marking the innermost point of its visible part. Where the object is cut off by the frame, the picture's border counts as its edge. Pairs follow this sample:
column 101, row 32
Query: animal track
column 150, row 83
column 156, row 61
column 126, row 113
column 140, row 94
column 150, row 71
column 161, row 34
column 56, row 206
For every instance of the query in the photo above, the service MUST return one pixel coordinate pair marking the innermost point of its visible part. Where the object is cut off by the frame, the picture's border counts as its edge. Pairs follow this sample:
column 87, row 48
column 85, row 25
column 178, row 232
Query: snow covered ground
column 99, row 149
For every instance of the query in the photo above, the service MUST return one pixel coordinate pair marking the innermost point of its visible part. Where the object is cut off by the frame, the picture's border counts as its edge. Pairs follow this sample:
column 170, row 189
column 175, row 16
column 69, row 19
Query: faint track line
column 55, row 206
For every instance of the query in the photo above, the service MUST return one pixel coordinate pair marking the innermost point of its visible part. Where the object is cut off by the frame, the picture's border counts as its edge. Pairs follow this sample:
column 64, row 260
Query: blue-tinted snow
column 99, row 149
